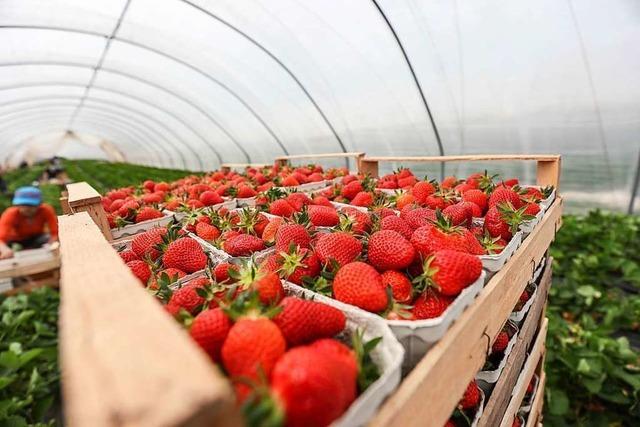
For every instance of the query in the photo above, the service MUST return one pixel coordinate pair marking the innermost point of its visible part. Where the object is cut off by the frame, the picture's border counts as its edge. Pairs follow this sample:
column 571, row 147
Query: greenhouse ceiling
column 192, row 83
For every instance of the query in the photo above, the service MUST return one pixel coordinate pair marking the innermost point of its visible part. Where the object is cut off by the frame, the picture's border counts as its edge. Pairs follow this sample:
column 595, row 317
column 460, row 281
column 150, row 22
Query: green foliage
column 593, row 372
column 29, row 376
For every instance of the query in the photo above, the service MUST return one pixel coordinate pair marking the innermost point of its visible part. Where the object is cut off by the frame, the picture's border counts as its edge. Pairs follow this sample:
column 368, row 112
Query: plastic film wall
column 194, row 83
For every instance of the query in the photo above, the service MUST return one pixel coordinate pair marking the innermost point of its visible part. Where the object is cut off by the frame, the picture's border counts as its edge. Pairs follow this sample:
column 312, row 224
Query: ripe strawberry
column 517, row 421
column 153, row 198
column 524, row 297
column 116, row 205
column 221, row 272
column 406, row 199
column 450, row 271
column 172, row 273
column 184, row 254
column 502, row 194
column 322, row 201
column 361, row 285
column 341, row 247
column 209, row 329
column 421, row 190
column 187, row 298
column 401, row 287
column 245, row 192
column 290, row 181
column 435, row 201
column 420, row 217
column 351, row 189
column 162, row 186
column 347, row 179
column 128, row 255
column 298, row 200
column 449, row 182
column 430, row 238
column 317, row 377
column 383, row 212
column 458, row 214
column 430, row 304
column 282, row 208
column 503, row 220
column 294, row 266
column 207, row 231
column 292, row 234
column 500, row 343
column 194, row 204
column 302, row 321
column 511, row 182
column 323, row 216
column 269, row 232
column 476, row 196
column 531, row 385
column 531, row 209
column 315, row 177
column 141, row 270
column 532, row 194
column 266, row 283
column 360, row 221
column 363, row 198
column 407, row 182
column 144, row 244
column 149, row 185
column 128, row 209
column 388, row 250
column 243, row 245
column 250, row 352
column 471, row 397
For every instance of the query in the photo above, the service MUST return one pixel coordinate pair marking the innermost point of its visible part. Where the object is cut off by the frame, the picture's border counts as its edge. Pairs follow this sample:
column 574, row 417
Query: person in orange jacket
column 24, row 222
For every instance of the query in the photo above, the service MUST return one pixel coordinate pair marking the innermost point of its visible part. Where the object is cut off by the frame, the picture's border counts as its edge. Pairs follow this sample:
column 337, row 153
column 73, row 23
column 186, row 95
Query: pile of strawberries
column 467, row 407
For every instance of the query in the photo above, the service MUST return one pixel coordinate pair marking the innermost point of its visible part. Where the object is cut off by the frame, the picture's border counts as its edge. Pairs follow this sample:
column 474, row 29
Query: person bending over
column 24, row 222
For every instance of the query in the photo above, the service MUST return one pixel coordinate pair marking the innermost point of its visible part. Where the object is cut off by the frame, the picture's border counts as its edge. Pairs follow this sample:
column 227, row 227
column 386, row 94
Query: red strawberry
column 400, row 285
column 517, row 421
column 361, row 222
column 398, row 224
column 292, row 234
column 298, row 200
column 351, row 189
column 363, row 198
column 251, row 350
column 500, row 343
column 388, row 250
column 266, row 283
column 503, row 194
column 478, row 197
column 296, row 265
column 511, row 182
column 323, row 216
column 340, row 246
column 245, row 192
column 458, row 214
column 430, row 304
column 503, row 220
column 531, row 209
column 207, row 231
column 144, row 244
column 449, row 182
column 148, row 213
column 430, row 238
column 421, row 190
column 141, row 270
column 282, row 208
column 221, row 272
column 361, row 285
column 471, row 397
column 128, row 255
column 322, row 201
column 420, row 217
column 243, row 245
column 451, row 271
column 531, row 385
column 269, row 232
column 187, row 298
column 210, row 198
column 407, row 182
column 184, row 254
column 153, row 198
column 302, row 321
column 290, row 181
column 209, row 329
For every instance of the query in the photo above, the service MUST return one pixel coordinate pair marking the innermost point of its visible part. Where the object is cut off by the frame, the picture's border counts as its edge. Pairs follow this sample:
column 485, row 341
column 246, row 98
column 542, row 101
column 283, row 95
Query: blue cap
column 27, row 196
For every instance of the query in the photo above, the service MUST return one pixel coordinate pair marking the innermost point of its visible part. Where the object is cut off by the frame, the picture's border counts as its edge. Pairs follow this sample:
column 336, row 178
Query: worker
column 24, row 222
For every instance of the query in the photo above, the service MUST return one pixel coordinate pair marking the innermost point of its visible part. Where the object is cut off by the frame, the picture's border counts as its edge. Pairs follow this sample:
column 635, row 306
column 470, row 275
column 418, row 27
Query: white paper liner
column 418, row 336
column 341, row 206
column 495, row 262
column 538, row 270
column 518, row 316
column 247, row 201
column 387, row 355
column 306, row 188
column 141, row 227
column 491, row 377
column 479, row 410
column 527, row 226
column 527, row 401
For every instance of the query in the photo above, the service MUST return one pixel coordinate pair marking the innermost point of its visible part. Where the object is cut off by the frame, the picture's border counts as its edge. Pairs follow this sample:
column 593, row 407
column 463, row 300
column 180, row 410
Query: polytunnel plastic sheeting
column 191, row 83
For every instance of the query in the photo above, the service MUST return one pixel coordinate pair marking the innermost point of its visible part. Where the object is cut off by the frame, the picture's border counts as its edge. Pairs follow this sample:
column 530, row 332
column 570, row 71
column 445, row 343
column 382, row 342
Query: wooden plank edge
column 444, row 373
column 82, row 194
column 535, row 356
column 499, row 399
column 464, row 158
column 320, row 156
column 535, row 415
column 25, row 270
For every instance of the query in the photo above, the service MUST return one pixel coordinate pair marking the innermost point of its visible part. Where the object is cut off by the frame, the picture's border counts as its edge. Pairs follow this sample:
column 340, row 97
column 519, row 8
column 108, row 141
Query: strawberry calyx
column 426, row 280
column 292, row 260
column 513, row 217
column 491, row 244
column 396, row 310
column 368, row 371
column 445, row 225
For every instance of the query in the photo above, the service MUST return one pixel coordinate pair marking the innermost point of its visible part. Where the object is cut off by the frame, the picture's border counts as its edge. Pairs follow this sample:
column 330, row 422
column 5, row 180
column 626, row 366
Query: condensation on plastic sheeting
column 192, row 83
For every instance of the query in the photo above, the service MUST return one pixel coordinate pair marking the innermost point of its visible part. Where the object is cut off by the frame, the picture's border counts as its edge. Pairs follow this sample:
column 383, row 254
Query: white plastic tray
column 528, row 226
column 248, row 201
column 518, row 316
column 495, row 262
column 527, row 401
column 418, row 336
column 133, row 229
column 491, row 377
column 341, row 206
column 306, row 188
column 387, row 355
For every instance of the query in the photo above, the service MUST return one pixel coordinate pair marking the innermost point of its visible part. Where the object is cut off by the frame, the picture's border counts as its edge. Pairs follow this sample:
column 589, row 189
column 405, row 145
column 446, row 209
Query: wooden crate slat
column 534, row 360
column 499, row 400
column 455, row 360
column 320, row 156
column 535, row 416
column 81, row 194
column 122, row 357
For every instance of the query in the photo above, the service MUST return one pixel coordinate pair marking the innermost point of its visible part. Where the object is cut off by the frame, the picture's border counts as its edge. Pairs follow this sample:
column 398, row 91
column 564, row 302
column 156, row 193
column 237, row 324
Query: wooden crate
column 227, row 167
column 357, row 156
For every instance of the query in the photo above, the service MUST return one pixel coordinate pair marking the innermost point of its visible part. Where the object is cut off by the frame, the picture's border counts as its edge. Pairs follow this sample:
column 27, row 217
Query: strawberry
column 491, row 245
column 149, row 185
column 500, row 343
column 421, row 190
column 267, row 284
column 321, row 201
column 209, row 329
column 251, row 350
column 471, row 397
column 184, row 254
column 144, row 244
column 430, row 238
column 141, row 270
column 172, row 273
column 450, row 271
column 302, row 321
column 282, row 208
column 361, row 285
column 245, row 192
column 116, row 205
column 323, row 216
column 383, row 211
column 502, row 194
column 315, row 177
column 298, row 200
column 153, row 198
column 478, row 197
column 221, row 272
column 503, row 220
column 128, row 255
column 187, row 298
column 269, row 232
column 532, row 194
column 524, row 297
column 292, row 235
column 341, row 247
column 363, row 198
column 290, row 181
column 407, row 182
column 351, row 189
column 298, row 264
column 531, row 209
column 449, row 182
column 400, row 285
column 347, row 179
column 419, row 217
column 511, row 182
column 430, row 304
column 243, row 245
column 360, row 221
column 435, row 201
column 404, row 200
column 517, row 421
column 162, row 186
column 207, row 231
column 458, row 214
column 531, row 385
column 388, row 250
